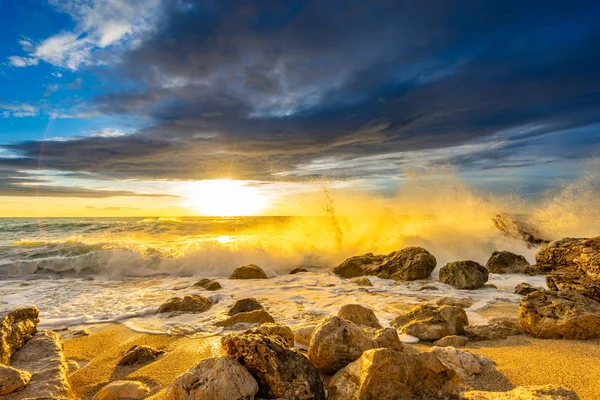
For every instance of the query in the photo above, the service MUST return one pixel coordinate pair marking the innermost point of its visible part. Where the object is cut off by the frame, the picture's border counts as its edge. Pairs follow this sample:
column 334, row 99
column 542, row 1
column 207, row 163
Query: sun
column 224, row 197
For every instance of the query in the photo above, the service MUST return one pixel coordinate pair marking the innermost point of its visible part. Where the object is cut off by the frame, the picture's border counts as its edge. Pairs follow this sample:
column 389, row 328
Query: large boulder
column 505, row 262
column 208, row 284
column 464, row 274
column 281, row 372
column 245, row 305
column 497, row 328
column 429, row 322
column 16, row 327
column 123, row 390
column 335, row 343
column 562, row 253
column 546, row 392
column 249, row 271
column 284, row 332
column 388, row 374
column 140, row 355
column 359, row 315
column 193, row 303
column 555, row 315
column 519, row 230
column 408, row 264
column 12, row 379
column 572, row 279
column 249, row 317
column 214, row 379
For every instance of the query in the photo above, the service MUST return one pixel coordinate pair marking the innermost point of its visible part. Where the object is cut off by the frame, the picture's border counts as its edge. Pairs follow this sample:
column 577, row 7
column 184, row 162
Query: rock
column 12, row 379
column 123, row 390
column 525, row 288
column 546, row 392
column 519, row 230
column 555, row 315
column 589, row 258
column 281, row 372
column 214, row 379
column 498, row 328
column 249, row 317
column 284, row 332
column 428, row 322
column 249, row 271
column 73, row 366
column 193, row 303
column 68, row 333
column 427, row 287
column 362, row 281
column 42, row 356
column 465, row 364
column 139, row 355
column 505, row 262
column 16, row 327
column 388, row 338
column 455, row 301
column 335, row 343
column 359, row 315
column 303, row 333
column 572, row 279
column 490, row 286
column 563, row 253
column 208, row 284
column 245, row 305
column 464, row 275
column 408, row 264
column 388, row 374
column 298, row 270
column 451, row 341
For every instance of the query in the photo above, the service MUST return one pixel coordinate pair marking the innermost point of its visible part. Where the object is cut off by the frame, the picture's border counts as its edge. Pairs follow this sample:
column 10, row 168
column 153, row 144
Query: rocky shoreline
column 350, row 355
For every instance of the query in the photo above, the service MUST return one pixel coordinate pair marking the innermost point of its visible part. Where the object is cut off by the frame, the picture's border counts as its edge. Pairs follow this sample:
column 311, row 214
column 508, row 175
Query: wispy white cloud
column 18, row 110
column 17, row 61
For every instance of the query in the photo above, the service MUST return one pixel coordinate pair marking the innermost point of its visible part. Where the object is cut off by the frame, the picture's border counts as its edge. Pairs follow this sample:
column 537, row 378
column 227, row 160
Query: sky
column 132, row 107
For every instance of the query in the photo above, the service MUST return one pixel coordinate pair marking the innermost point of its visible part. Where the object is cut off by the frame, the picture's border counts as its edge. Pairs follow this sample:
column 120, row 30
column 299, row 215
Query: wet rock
column 525, row 288
column 249, row 317
column 245, row 305
column 465, row 364
column 427, row 287
column 249, row 271
column 193, row 303
column 464, row 275
column 519, row 230
column 281, row 372
column 388, row 338
column 123, row 390
column 12, row 379
column 455, row 301
column 546, row 392
column 572, row 279
column 555, row 315
column 569, row 252
column 451, row 341
column 490, row 286
column 362, row 281
column 139, row 355
column 284, row 332
column 208, row 284
column 429, row 322
column 388, row 374
column 214, row 379
column 497, row 328
column 408, row 264
column 303, row 333
column 42, row 356
column 298, row 270
column 359, row 315
column 335, row 343
column 16, row 327
column 505, row 262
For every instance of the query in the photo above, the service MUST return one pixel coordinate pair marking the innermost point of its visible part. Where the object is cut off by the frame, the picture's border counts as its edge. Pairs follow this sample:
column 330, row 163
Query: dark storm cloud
column 249, row 89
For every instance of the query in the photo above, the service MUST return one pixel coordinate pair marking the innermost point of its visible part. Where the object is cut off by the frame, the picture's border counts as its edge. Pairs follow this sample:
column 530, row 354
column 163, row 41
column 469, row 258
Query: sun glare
column 224, row 197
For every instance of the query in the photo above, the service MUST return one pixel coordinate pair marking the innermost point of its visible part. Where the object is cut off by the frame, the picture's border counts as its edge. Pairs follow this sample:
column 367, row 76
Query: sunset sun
column 224, row 197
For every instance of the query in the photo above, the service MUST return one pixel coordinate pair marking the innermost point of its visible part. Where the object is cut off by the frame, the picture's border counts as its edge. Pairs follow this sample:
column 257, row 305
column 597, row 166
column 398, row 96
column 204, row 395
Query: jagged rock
column 464, row 275
column 388, row 338
column 362, row 281
column 249, row 271
column 407, row 264
column 123, row 390
column 16, row 327
column 249, row 317
column 497, row 328
column 565, row 253
column 519, row 230
column 193, row 303
column 428, row 322
column 42, row 356
column 388, row 374
column 359, row 315
column 281, row 372
column 12, row 379
column 139, row 355
column 335, row 343
column 505, row 262
column 525, row 288
column 546, row 392
column 451, row 341
column 554, row 315
column 298, row 270
column 245, row 305
column 303, row 333
column 214, row 379
column 589, row 258
column 465, row 364
column 284, row 332
column 208, row 284
column 455, row 301
column 572, row 279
